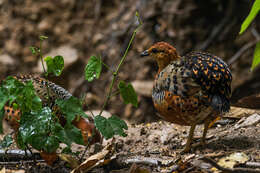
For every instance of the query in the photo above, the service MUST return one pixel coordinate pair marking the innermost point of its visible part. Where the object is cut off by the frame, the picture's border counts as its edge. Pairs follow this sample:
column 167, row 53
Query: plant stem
column 44, row 70
column 115, row 73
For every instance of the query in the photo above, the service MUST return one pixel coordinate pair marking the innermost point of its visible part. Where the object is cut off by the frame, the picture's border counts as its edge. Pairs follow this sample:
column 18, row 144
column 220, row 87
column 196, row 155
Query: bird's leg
column 206, row 127
column 189, row 140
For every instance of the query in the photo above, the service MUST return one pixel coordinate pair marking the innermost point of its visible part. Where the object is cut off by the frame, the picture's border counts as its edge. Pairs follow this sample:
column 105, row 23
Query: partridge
column 55, row 92
column 191, row 89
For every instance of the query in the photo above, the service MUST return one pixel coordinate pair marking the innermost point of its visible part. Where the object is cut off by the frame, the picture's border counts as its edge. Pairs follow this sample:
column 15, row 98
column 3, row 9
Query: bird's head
column 163, row 53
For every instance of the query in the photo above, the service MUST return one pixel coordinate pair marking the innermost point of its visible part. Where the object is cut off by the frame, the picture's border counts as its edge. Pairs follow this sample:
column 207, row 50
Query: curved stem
column 115, row 73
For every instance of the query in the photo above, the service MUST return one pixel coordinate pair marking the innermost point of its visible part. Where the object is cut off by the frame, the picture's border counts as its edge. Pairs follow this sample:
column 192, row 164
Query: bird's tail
column 220, row 103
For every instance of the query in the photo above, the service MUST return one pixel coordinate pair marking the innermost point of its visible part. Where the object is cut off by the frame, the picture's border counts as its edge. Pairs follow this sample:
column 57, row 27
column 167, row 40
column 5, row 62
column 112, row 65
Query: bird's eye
column 154, row 50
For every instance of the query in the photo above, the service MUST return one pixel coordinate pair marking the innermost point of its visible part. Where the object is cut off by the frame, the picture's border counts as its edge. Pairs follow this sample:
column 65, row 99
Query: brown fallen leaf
column 95, row 160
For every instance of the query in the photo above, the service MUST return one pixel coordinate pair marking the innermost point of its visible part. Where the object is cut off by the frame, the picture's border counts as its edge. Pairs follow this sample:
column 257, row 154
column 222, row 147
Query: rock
column 143, row 87
column 6, row 59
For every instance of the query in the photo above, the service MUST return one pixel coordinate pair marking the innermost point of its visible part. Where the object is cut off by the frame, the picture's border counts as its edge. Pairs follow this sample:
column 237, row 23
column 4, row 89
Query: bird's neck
column 164, row 62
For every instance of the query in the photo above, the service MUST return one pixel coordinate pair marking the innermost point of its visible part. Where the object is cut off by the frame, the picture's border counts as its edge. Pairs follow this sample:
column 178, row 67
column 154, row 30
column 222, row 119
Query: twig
column 14, row 163
column 255, row 33
column 245, row 47
column 17, row 155
column 229, row 170
column 149, row 161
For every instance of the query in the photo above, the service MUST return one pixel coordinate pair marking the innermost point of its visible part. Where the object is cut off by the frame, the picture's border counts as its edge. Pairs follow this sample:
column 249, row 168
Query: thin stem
column 119, row 65
column 115, row 93
column 109, row 93
column 106, row 65
column 44, row 70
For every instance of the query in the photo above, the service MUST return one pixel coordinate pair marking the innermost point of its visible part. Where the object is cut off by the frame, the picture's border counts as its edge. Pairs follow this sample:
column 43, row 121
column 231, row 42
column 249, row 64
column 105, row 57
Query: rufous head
column 163, row 53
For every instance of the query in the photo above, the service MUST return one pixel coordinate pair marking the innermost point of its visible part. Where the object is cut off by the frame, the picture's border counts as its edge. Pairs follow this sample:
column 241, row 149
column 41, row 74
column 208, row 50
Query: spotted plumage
column 40, row 86
column 191, row 89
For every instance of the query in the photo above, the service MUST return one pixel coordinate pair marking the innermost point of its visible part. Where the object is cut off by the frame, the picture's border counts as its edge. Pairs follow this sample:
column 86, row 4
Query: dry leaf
column 95, row 160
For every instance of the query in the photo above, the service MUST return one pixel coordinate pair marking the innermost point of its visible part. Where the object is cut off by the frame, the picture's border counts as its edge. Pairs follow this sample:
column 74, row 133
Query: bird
column 42, row 88
column 191, row 89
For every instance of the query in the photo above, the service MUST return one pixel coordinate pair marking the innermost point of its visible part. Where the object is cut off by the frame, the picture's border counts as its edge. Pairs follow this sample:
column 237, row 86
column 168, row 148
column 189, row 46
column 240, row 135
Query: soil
column 95, row 27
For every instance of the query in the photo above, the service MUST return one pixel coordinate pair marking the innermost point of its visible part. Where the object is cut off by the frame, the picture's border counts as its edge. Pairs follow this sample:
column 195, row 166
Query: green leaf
column 7, row 141
column 117, row 125
column 61, row 134
column 39, row 130
column 19, row 141
column 253, row 12
column 70, row 108
column 27, row 99
column 3, row 96
column 74, row 134
column 93, row 68
column 54, row 65
column 111, row 126
column 51, row 144
column 1, row 120
column 34, row 50
column 103, row 126
column 35, row 124
column 128, row 93
column 256, row 59
column 42, row 37
column 23, row 94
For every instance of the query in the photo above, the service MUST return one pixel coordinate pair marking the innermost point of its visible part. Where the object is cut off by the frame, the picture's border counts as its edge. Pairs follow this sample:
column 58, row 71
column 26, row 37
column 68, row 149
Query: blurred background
column 77, row 29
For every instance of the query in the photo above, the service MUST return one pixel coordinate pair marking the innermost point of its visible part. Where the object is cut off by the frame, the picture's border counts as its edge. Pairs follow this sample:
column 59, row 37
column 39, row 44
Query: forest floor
column 78, row 29
column 232, row 142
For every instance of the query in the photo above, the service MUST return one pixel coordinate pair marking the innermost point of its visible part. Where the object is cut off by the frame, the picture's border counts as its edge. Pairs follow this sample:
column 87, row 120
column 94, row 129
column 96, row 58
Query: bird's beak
column 145, row 53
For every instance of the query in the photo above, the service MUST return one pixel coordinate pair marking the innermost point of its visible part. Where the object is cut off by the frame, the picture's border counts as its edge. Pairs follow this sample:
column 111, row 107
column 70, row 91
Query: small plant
column 39, row 125
column 253, row 13
column 113, row 125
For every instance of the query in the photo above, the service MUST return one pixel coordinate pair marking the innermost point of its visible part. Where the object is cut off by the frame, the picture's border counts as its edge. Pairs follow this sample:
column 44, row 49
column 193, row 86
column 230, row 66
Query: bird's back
column 40, row 86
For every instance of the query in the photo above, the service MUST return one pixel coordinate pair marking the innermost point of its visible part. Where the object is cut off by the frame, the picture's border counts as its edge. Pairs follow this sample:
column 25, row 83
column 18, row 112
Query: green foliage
column 1, row 120
column 23, row 94
column 128, row 93
column 7, row 141
column 70, row 107
column 42, row 131
column 93, row 68
column 41, row 127
column 256, row 59
column 253, row 12
column 111, row 126
column 34, row 50
column 54, row 65
column 36, row 129
column 42, row 37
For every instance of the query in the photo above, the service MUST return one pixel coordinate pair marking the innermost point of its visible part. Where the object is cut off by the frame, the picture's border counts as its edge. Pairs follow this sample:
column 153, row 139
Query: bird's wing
column 177, row 79
column 210, row 72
